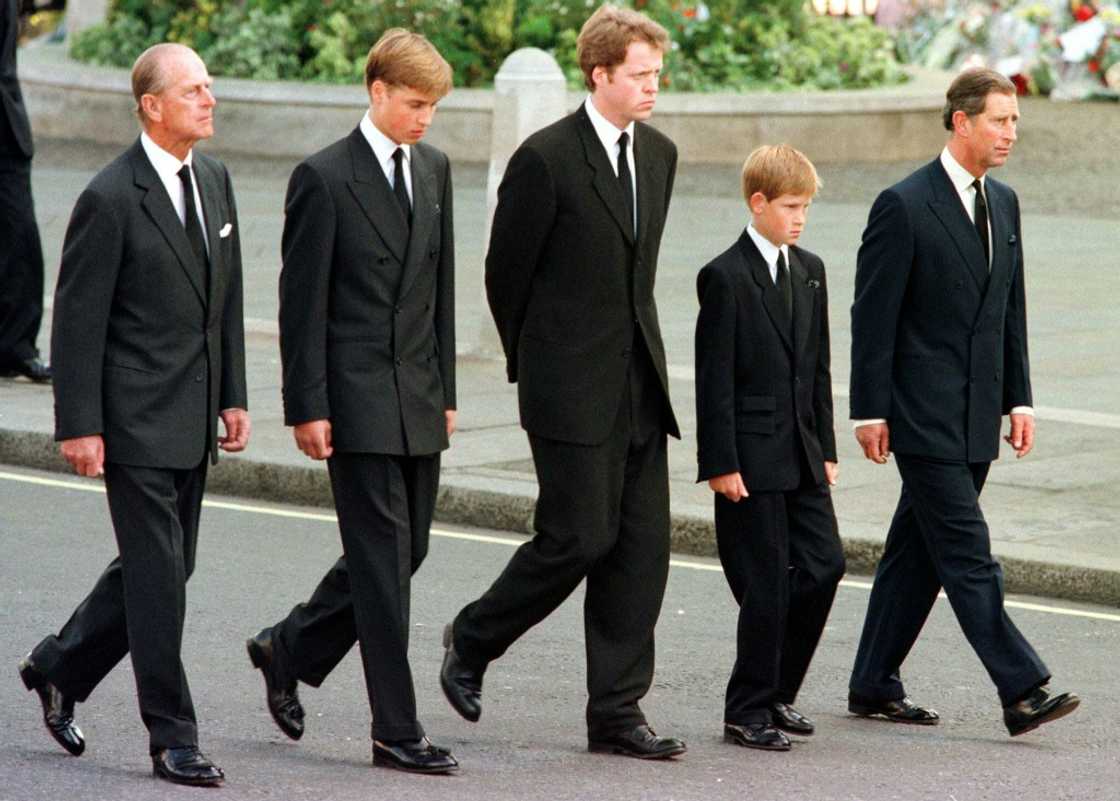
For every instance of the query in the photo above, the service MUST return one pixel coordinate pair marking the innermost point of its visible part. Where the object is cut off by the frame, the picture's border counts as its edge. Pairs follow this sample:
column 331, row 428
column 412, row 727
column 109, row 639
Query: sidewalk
column 1053, row 516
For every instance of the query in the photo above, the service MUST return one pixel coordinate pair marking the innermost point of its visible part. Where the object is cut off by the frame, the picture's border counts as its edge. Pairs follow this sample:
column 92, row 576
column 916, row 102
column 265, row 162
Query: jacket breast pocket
column 754, row 414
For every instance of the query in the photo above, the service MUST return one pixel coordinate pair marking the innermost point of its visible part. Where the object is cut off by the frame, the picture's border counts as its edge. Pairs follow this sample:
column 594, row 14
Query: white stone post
column 82, row 14
column 529, row 93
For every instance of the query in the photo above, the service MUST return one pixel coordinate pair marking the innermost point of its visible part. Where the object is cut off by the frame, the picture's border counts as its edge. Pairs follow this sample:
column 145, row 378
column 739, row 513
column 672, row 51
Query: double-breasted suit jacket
column 147, row 348
column 367, row 326
column 569, row 290
column 939, row 344
column 764, row 387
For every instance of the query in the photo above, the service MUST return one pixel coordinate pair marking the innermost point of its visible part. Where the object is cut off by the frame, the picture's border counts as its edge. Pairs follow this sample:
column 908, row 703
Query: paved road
column 529, row 745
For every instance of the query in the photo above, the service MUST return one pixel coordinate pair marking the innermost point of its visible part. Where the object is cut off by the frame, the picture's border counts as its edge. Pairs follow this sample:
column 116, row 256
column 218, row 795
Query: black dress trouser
column 938, row 538
column 385, row 506
column 21, row 257
column 602, row 515
column 783, row 560
column 138, row 605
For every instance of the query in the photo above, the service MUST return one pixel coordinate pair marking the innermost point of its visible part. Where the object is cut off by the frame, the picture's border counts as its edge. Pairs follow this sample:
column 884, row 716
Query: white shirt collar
column 961, row 178
column 768, row 250
column 383, row 146
column 606, row 130
column 166, row 165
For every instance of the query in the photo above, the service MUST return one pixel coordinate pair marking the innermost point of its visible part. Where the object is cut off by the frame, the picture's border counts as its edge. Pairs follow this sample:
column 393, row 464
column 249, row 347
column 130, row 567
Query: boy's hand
column 730, row 486
column 831, row 473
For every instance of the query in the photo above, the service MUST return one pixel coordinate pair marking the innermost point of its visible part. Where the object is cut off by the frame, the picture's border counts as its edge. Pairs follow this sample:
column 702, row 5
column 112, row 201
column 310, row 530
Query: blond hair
column 776, row 170
column 403, row 58
column 607, row 34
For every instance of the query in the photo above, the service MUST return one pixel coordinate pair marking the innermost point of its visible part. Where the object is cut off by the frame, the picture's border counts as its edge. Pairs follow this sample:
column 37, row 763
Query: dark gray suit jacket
column 142, row 353
column 568, row 285
column 763, row 397
column 939, row 346
column 367, row 320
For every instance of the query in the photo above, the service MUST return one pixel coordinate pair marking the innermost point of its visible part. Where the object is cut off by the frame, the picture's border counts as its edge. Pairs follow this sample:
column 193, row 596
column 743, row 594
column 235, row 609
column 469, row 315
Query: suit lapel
column 425, row 211
column 373, row 193
column 1002, row 244
column 212, row 213
column 946, row 205
column 804, row 297
column 604, row 179
column 158, row 206
column 771, row 300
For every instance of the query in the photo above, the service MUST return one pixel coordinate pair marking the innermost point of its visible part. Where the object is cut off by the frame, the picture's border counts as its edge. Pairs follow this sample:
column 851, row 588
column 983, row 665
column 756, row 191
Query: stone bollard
column 82, row 14
column 529, row 93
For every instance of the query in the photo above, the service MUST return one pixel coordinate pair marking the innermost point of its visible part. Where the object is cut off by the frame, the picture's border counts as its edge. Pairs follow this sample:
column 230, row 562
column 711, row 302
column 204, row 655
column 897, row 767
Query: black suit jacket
column 763, row 399
column 367, row 321
column 142, row 354
column 13, row 115
column 939, row 346
column 569, row 287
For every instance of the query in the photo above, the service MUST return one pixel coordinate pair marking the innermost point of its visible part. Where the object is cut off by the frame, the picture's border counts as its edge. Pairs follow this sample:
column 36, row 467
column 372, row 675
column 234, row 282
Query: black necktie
column 191, row 223
column 782, row 282
column 980, row 217
column 624, row 178
column 399, row 188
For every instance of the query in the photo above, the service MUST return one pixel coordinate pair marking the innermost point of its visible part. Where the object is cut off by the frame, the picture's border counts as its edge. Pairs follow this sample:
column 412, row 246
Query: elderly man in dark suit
column 367, row 339
column 939, row 354
column 149, row 351
column 569, row 277
column 21, row 255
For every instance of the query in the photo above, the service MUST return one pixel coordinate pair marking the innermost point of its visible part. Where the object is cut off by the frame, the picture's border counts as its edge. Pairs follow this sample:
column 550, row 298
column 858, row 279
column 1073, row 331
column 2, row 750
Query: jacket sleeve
column 234, row 393
column 522, row 222
column 822, row 381
column 445, row 295
column 882, row 271
column 307, row 251
column 87, row 278
column 717, row 454
column 1016, row 363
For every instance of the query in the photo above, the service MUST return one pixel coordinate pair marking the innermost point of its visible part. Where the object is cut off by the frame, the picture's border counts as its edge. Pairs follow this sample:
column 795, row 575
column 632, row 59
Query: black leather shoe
column 58, row 710
column 1037, row 708
column 789, row 720
column 186, row 765
column 461, row 684
column 756, row 735
column 640, row 742
column 32, row 369
column 413, row 756
column 901, row 711
column 283, row 699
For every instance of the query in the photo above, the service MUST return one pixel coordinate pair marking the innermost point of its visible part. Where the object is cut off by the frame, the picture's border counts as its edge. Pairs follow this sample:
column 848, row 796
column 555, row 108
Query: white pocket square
column 225, row 230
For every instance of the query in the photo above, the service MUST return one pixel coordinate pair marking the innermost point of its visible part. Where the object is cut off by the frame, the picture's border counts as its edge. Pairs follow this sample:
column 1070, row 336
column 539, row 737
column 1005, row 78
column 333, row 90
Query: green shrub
column 721, row 44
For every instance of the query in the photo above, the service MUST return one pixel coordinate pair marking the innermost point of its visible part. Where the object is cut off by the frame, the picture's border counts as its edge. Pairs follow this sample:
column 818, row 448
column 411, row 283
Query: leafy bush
column 721, row 44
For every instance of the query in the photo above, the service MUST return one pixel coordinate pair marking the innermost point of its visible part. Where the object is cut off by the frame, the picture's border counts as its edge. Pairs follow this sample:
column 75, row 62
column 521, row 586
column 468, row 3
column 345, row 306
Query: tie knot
column 623, row 140
column 185, row 174
column 978, row 186
column 398, row 156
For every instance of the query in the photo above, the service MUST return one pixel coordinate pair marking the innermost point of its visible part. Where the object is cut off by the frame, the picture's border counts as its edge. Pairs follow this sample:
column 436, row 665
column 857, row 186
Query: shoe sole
column 789, row 731
column 874, row 714
column 26, row 675
column 741, row 744
column 610, row 748
column 1055, row 714
column 185, row 781
column 384, row 762
column 256, row 656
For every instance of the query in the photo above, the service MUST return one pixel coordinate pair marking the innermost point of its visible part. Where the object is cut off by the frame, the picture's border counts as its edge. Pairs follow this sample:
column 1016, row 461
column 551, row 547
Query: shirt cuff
column 1022, row 410
column 873, row 422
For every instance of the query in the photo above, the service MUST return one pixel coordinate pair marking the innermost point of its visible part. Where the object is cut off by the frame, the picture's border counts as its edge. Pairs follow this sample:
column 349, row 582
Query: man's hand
column 236, row 422
column 875, row 439
column 450, row 415
column 85, row 454
column 730, row 486
column 314, row 438
column 831, row 473
column 1021, row 437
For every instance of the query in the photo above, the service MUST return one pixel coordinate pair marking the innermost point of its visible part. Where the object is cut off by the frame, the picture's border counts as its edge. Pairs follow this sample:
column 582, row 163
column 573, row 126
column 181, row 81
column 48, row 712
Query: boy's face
column 782, row 219
column 401, row 113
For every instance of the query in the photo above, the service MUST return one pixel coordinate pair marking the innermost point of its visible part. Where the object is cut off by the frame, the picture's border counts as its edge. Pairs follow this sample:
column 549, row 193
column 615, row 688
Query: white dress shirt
column 383, row 149
column 608, row 134
column 769, row 251
column 962, row 182
column 167, row 168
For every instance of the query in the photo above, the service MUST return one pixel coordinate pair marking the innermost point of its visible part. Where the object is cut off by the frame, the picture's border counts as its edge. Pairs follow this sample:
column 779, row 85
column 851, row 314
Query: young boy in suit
column 766, row 445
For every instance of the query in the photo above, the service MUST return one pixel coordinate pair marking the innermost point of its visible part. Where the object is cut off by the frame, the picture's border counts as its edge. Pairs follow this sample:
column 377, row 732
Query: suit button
column 626, row 353
column 396, row 310
column 400, row 362
column 432, row 253
column 198, row 378
column 383, row 260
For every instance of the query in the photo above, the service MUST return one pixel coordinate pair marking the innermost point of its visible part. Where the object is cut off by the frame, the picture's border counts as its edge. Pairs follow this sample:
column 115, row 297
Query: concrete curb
column 514, row 512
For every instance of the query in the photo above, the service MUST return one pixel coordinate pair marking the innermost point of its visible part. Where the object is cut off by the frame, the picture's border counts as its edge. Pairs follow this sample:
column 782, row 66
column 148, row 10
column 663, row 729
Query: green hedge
column 720, row 44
